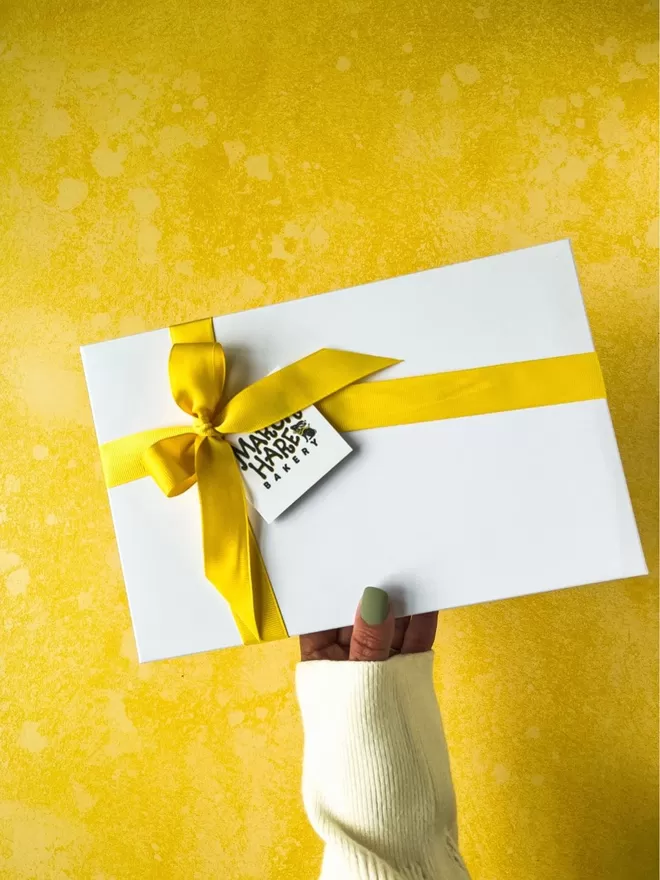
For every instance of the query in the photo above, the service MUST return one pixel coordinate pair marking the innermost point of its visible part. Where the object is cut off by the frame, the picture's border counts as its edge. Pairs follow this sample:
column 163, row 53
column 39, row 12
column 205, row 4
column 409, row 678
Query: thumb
column 373, row 630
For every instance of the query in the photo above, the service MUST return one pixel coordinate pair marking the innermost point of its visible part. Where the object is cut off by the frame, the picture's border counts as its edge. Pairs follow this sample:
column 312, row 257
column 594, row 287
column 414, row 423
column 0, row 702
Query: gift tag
column 280, row 463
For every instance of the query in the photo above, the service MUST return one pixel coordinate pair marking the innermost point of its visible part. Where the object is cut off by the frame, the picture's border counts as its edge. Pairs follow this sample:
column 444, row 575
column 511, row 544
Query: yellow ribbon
column 178, row 456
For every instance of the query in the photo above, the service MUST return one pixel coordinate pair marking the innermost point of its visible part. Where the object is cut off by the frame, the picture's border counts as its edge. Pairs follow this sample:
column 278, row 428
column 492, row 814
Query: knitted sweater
column 376, row 781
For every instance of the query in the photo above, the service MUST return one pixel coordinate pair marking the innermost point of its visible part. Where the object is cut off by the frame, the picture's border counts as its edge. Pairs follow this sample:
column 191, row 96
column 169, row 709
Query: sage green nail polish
column 375, row 606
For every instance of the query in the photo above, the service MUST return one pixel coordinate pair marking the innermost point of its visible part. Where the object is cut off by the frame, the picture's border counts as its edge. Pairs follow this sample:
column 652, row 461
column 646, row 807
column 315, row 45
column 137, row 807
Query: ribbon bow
column 200, row 453
column 178, row 456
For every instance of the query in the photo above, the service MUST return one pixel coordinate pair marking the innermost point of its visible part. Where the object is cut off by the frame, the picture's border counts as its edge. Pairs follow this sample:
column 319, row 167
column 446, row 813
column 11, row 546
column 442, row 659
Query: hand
column 376, row 635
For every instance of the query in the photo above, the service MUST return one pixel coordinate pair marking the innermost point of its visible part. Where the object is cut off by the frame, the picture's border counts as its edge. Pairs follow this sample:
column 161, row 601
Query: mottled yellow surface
column 162, row 161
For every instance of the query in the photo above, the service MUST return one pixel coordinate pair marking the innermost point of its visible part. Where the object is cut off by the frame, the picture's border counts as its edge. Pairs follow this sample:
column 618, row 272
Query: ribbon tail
column 232, row 561
column 293, row 388
column 266, row 610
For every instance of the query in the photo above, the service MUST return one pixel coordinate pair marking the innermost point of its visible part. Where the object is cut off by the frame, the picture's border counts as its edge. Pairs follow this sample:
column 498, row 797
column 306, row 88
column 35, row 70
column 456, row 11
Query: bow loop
column 197, row 378
column 171, row 462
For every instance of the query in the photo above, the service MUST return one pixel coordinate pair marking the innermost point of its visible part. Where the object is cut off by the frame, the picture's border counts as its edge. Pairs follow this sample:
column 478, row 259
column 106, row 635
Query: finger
column 374, row 627
column 420, row 634
column 318, row 646
column 344, row 635
column 329, row 652
column 400, row 626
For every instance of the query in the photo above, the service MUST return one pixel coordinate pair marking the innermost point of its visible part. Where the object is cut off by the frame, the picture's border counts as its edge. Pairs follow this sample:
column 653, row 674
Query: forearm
column 376, row 779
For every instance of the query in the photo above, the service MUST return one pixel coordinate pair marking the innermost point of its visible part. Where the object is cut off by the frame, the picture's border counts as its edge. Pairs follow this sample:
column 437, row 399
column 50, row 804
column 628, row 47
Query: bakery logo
column 276, row 450
column 302, row 429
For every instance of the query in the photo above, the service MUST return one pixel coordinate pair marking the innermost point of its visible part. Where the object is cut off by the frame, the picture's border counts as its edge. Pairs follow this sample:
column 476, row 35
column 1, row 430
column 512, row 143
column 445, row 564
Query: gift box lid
column 442, row 513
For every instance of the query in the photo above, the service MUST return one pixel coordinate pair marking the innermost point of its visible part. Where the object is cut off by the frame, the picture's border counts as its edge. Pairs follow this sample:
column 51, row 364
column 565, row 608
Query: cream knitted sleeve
column 376, row 781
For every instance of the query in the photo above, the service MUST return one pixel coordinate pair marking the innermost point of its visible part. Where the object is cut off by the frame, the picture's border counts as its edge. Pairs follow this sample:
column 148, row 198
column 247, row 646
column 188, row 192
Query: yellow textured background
column 163, row 161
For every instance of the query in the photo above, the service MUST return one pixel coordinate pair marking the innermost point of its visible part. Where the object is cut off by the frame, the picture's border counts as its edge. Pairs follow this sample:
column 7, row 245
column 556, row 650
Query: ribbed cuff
column 376, row 780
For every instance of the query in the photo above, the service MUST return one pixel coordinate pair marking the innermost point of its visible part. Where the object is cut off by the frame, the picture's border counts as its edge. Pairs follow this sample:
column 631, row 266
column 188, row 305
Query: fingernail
column 375, row 606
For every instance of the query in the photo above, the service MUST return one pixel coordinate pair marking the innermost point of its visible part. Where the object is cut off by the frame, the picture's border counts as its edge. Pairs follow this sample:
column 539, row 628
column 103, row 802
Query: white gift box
column 441, row 514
